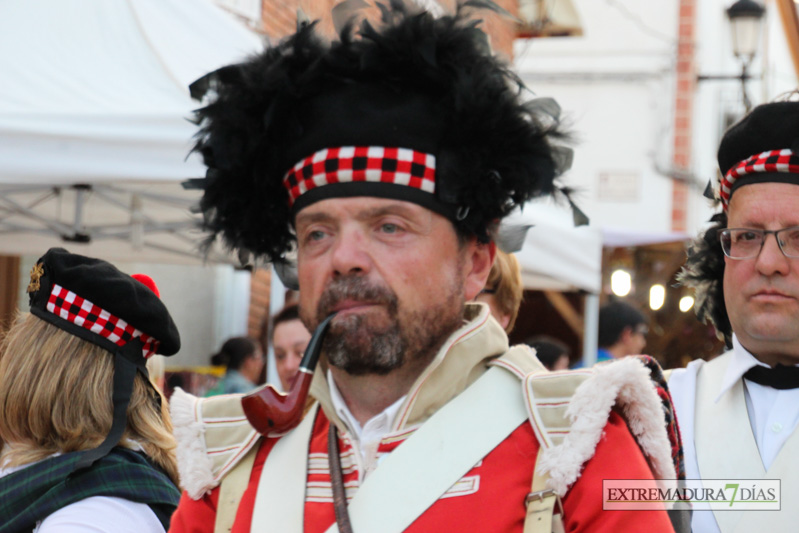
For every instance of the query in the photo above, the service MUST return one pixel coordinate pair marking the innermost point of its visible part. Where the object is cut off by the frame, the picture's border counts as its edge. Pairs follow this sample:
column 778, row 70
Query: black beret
column 762, row 147
column 92, row 299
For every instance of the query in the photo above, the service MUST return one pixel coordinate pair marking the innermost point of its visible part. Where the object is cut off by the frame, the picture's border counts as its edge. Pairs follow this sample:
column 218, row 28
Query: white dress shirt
column 368, row 437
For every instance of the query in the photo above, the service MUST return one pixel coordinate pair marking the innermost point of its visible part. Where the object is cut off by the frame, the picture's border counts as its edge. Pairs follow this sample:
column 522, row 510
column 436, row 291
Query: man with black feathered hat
column 386, row 159
column 739, row 412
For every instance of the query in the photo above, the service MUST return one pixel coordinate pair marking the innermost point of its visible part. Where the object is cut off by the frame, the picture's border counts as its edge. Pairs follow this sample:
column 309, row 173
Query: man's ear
column 479, row 259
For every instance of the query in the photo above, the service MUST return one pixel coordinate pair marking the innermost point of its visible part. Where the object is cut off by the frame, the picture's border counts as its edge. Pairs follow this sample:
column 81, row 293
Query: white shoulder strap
column 231, row 490
column 413, row 477
column 280, row 500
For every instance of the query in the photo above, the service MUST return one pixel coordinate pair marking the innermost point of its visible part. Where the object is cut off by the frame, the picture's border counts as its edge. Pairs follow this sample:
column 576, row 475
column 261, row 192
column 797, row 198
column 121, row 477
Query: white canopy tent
column 94, row 133
column 556, row 255
column 94, row 136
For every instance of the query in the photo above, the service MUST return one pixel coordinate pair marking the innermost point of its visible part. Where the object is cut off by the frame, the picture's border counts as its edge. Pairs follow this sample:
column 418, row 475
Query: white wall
column 615, row 85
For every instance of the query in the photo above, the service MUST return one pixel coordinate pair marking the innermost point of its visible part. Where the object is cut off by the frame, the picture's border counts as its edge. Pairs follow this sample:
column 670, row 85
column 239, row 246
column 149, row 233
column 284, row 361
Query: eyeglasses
column 746, row 243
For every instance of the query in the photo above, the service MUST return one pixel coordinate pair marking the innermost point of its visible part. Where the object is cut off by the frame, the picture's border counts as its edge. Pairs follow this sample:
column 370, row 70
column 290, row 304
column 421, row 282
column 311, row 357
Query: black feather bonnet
column 761, row 147
column 415, row 108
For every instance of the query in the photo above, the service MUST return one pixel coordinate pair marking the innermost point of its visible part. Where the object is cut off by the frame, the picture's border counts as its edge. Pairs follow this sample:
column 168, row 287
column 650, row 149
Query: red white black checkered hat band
column 345, row 168
column 83, row 313
column 770, row 166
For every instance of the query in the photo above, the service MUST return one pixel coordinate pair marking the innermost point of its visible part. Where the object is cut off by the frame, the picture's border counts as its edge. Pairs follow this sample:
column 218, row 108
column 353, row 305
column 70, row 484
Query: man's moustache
column 352, row 291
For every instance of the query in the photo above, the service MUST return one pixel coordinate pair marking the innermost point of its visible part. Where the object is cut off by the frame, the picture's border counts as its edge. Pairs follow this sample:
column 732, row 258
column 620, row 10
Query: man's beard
column 379, row 340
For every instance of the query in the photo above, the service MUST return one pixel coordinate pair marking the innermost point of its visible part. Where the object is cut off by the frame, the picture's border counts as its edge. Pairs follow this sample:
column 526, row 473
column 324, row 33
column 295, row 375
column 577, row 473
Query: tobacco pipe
column 272, row 412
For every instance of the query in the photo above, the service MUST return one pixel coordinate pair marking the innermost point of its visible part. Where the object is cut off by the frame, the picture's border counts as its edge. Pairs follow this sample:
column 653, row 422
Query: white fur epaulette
column 213, row 435
column 569, row 410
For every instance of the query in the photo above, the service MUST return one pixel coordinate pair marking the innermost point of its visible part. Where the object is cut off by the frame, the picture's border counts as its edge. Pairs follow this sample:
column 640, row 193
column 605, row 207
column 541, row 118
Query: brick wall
column 280, row 16
column 260, row 285
column 683, row 110
column 9, row 289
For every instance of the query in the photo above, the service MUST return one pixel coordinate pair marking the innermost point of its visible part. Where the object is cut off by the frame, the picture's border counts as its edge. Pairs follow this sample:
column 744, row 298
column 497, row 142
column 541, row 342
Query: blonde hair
column 56, row 397
column 505, row 283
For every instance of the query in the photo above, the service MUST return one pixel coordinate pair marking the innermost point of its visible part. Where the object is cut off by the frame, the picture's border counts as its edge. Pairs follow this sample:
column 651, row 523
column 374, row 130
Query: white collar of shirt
column 375, row 428
column 7, row 470
column 741, row 361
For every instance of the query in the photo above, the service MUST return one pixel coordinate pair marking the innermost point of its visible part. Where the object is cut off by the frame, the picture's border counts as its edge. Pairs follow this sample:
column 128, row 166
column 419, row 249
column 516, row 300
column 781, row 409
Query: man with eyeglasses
column 738, row 413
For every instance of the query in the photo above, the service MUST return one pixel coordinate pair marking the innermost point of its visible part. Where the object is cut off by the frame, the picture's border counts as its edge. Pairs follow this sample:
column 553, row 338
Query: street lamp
column 746, row 19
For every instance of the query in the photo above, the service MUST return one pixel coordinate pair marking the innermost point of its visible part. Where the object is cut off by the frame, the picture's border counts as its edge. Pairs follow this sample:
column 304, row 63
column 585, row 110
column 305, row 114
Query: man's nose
column 771, row 260
column 350, row 254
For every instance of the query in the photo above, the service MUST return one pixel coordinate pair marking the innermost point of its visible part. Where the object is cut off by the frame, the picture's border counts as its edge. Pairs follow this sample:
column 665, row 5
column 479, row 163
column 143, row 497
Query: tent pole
column 136, row 222
column 277, row 299
column 80, row 198
column 591, row 315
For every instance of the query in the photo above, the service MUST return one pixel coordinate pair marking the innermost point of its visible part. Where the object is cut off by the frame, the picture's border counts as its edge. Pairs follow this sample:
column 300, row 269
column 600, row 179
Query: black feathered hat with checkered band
column 762, row 147
column 123, row 314
column 415, row 108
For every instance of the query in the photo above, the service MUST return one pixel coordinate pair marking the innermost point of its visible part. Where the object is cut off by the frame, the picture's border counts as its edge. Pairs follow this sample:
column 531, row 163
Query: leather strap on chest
column 544, row 508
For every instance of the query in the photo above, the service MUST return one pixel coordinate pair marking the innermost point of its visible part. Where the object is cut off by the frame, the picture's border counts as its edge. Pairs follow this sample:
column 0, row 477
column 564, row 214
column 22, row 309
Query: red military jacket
column 488, row 498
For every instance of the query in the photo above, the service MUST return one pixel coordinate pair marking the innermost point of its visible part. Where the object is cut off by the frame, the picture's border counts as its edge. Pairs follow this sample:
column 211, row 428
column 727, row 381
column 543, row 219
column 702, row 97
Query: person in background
column 289, row 339
column 622, row 332
column 739, row 412
column 244, row 361
column 551, row 352
column 503, row 291
column 85, row 438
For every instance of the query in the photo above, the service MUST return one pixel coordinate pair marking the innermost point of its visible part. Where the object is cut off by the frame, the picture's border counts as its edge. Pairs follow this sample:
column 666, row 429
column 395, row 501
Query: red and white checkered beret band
column 773, row 161
column 69, row 306
column 348, row 164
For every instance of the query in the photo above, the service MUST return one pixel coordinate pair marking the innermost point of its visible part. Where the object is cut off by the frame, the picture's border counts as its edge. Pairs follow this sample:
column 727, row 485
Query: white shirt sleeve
column 102, row 514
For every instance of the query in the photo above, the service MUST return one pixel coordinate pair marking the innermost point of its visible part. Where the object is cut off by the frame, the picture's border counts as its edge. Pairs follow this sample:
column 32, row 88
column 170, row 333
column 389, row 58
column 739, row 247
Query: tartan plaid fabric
column 672, row 427
column 770, row 161
column 37, row 491
column 83, row 313
column 346, row 164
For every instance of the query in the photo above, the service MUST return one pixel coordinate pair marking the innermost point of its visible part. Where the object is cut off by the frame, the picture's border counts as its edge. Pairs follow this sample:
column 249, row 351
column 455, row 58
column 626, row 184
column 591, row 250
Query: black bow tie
column 779, row 377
